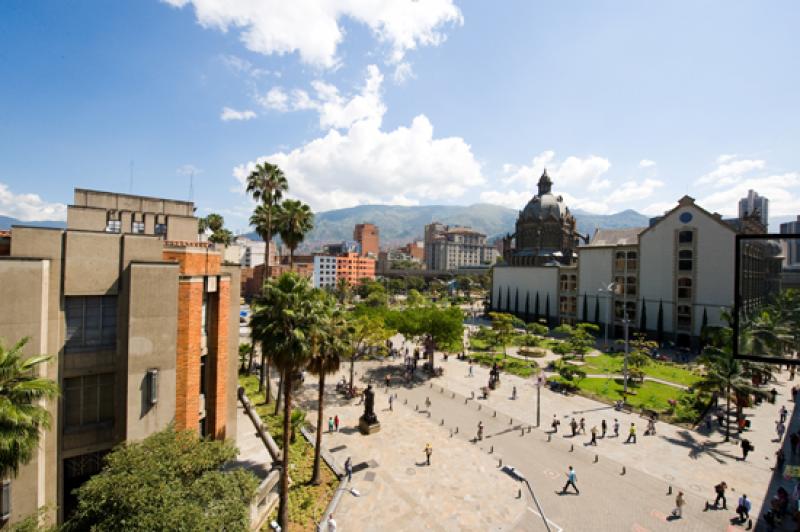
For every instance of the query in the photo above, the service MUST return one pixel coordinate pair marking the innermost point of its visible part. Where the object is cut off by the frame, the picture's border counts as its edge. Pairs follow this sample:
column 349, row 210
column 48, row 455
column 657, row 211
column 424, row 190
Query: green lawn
column 514, row 366
column 612, row 363
column 306, row 502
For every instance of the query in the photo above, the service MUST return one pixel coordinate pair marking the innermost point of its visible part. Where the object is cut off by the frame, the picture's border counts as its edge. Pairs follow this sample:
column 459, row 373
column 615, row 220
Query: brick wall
column 217, row 402
column 187, row 364
column 194, row 262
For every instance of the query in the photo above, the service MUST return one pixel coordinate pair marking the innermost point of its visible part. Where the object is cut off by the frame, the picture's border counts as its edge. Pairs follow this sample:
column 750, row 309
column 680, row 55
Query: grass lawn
column 514, row 366
column 612, row 363
column 306, row 502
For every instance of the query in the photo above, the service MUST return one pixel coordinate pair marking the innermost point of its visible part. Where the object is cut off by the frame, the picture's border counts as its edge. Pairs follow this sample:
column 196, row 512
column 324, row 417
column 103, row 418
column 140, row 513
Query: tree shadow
column 697, row 448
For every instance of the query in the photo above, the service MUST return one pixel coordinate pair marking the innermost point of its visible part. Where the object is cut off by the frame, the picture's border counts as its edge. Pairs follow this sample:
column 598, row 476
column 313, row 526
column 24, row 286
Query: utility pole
column 625, row 322
column 539, row 381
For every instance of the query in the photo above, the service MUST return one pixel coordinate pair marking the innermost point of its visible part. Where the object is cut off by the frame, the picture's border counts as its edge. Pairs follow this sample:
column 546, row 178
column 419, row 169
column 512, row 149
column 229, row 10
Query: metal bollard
column 479, row 407
column 405, row 401
column 519, row 493
column 465, row 401
column 494, row 414
column 456, row 430
column 669, row 491
column 451, row 433
column 442, row 423
column 499, row 462
column 491, row 449
column 571, row 448
column 510, row 421
column 596, row 458
column 549, row 436
column 416, row 408
column 522, row 431
column 429, row 413
column 623, row 470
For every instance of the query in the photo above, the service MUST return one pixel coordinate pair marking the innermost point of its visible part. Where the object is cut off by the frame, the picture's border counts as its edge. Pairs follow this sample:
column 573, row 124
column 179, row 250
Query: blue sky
column 628, row 104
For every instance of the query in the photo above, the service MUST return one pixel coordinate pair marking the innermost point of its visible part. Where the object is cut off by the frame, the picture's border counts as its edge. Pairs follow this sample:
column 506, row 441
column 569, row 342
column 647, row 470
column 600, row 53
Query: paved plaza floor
column 465, row 489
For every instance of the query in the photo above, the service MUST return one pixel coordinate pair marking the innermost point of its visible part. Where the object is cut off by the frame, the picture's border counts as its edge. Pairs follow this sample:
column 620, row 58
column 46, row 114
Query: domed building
column 545, row 231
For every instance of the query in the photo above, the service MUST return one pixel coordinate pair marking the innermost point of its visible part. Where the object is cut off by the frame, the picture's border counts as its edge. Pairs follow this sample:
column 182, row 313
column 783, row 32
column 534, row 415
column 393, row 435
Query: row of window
column 137, row 228
column 88, row 400
column 626, row 260
column 91, row 322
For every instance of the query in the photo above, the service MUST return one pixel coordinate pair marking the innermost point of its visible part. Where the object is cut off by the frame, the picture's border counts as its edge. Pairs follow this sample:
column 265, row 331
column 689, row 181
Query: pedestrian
column 773, row 393
column 794, row 393
column 555, row 424
column 331, row 524
column 794, row 440
column 336, row 422
column 593, row 441
column 783, row 413
column 428, row 402
column 679, row 503
column 330, row 424
column 471, row 374
column 428, row 453
column 651, row 426
column 571, row 481
column 514, row 393
column 348, row 469
column 480, row 430
column 780, row 428
column 779, row 459
column 574, row 426
column 616, row 428
column 743, row 508
column 603, row 428
column 391, row 402
column 720, row 491
column 583, row 426
column 388, row 380
column 631, row 434
column 746, row 448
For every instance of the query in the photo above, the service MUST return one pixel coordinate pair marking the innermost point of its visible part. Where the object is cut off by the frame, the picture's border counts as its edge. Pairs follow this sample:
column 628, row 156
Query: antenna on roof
column 191, row 185
column 130, row 180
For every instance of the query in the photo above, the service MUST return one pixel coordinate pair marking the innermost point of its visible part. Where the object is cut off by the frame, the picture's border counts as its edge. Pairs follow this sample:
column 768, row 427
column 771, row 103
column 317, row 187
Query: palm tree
column 266, row 183
column 295, row 220
column 287, row 319
column 330, row 349
column 21, row 414
column 343, row 290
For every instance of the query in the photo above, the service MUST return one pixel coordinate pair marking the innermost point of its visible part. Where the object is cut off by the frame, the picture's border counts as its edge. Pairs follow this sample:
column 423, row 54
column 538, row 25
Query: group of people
column 579, row 427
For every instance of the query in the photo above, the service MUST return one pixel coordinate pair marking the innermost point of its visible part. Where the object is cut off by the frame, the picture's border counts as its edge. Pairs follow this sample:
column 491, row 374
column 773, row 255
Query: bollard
column 519, row 493
column 522, row 431
column 465, row 401
column 495, row 414
column 623, row 470
column 510, row 421
column 491, row 449
column 454, row 395
column 479, row 407
column 416, row 408
column 451, row 433
column 669, row 491
column 456, row 430
column 429, row 413
column 549, row 436
column 596, row 458
column 571, row 447
column 442, row 423
column 529, row 430
column 405, row 401
column 499, row 462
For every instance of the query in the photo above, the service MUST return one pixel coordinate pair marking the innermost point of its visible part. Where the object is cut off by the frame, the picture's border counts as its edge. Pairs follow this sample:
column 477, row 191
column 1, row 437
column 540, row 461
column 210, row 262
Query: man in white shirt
column 331, row 523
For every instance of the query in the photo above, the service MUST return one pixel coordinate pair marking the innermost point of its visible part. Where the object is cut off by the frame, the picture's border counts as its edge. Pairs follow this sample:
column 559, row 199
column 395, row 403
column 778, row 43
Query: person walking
column 746, row 448
column 571, row 481
column 582, row 426
column 616, row 428
column 780, row 428
column 720, row 491
column 391, row 402
column 330, row 424
column 336, row 422
column 471, row 368
column 743, row 508
column 331, row 523
column 679, row 504
column 631, row 434
column 555, row 424
column 388, row 380
column 348, row 469
column 574, row 426
column 783, row 413
column 480, row 430
column 593, row 441
column 428, row 403
column 514, row 393
column 603, row 428
column 428, row 453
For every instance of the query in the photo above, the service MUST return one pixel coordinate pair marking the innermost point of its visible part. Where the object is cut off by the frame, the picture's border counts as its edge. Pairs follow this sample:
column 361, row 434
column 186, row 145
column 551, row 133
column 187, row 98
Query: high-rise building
column 354, row 269
column 458, row 247
column 142, row 322
column 324, row 271
column 752, row 204
column 792, row 246
column 368, row 238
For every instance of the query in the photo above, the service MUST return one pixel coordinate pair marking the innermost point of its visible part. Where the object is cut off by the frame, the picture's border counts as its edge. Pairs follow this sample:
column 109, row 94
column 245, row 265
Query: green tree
column 343, row 290
column 537, row 328
column 245, row 354
column 366, row 330
column 216, row 224
column 580, row 338
column 414, row 298
column 168, row 481
column 22, row 415
column 503, row 327
column 289, row 318
column 266, row 183
column 295, row 220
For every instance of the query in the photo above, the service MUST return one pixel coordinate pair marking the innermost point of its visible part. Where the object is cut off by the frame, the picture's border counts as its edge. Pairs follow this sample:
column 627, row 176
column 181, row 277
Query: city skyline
column 179, row 90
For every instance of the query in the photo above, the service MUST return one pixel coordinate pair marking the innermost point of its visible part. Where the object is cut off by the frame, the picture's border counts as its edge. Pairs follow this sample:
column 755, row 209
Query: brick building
column 354, row 268
column 142, row 324
column 368, row 238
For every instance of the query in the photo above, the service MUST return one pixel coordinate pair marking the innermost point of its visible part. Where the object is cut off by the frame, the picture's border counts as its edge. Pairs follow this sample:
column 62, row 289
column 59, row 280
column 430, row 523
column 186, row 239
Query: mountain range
column 6, row 222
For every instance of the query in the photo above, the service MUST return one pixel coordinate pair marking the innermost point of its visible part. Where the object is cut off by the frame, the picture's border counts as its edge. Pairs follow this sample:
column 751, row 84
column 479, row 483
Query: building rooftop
column 616, row 237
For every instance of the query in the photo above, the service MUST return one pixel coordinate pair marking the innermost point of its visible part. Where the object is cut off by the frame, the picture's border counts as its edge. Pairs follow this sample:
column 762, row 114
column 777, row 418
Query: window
column 684, row 288
column 113, row 226
column 618, row 310
column 619, row 260
column 91, row 322
column 684, row 316
column 137, row 227
column 632, row 260
column 630, row 286
column 161, row 229
column 88, row 400
column 685, row 237
column 564, row 283
column 203, row 374
column 685, row 260
column 573, row 282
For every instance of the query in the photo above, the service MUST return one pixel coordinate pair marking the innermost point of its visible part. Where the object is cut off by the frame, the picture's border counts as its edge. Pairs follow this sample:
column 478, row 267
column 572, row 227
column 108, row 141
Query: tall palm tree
column 295, row 220
column 22, row 415
column 343, row 290
column 266, row 183
column 287, row 319
column 331, row 346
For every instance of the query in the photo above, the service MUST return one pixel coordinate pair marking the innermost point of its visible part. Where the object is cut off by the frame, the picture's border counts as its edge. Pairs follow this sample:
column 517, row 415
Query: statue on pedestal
column 368, row 423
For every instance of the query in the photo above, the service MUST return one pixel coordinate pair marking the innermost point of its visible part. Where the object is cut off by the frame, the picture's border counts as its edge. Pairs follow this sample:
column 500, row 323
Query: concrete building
column 354, row 268
column 754, row 204
column 416, row 250
column 142, row 323
column 324, row 271
column 675, row 276
column 368, row 238
column 449, row 249
column 792, row 246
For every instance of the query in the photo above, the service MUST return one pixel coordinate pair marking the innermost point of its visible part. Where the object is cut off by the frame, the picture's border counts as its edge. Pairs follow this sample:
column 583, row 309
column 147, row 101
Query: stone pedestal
column 366, row 427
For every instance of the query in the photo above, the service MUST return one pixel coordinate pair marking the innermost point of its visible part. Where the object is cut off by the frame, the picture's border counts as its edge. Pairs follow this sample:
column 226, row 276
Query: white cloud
column 572, row 171
column 781, row 190
column 632, row 191
column 312, row 28
column 658, row 208
column 725, row 157
column 730, row 170
column 510, row 198
column 403, row 72
column 29, row 207
column 229, row 114
column 245, row 67
column 598, row 185
column 358, row 162
column 646, row 163
column 275, row 99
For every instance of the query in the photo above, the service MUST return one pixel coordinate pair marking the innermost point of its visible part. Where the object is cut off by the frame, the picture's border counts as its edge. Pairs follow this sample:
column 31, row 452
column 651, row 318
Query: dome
column 544, row 206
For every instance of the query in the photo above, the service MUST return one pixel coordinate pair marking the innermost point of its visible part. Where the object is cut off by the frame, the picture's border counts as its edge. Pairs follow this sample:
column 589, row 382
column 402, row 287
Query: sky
column 628, row 104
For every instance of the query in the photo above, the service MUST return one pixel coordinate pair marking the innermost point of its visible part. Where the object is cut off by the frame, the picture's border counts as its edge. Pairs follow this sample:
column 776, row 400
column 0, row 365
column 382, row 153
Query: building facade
column 672, row 278
column 753, row 204
column 368, row 238
column 142, row 324
column 324, row 271
column 354, row 268
column 448, row 249
column 792, row 251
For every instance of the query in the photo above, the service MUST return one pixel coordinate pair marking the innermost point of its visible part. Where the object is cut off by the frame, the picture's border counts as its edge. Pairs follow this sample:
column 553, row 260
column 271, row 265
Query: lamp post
column 625, row 322
column 539, row 382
